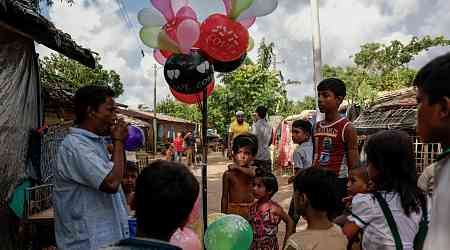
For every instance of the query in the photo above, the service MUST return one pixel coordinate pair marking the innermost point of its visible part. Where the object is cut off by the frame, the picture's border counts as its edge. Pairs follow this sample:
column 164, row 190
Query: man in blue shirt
column 90, row 206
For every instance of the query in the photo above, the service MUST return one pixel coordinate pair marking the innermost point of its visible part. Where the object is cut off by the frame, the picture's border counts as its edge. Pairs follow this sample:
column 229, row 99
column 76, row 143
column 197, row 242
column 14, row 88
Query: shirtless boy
column 237, row 195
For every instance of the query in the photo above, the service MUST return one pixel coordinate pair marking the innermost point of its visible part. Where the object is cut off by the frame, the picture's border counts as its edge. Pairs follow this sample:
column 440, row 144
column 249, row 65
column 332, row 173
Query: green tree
column 381, row 67
column 58, row 69
column 174, row 108
column 265, row 54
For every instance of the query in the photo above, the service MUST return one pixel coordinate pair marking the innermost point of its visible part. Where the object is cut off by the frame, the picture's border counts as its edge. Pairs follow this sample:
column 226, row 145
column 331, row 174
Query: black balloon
column 188, row 73
column 225, row 67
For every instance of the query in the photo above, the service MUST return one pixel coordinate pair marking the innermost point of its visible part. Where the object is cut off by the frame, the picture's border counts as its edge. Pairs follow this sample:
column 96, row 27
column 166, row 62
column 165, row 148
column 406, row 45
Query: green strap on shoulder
column 390, row 220
column 444, row 154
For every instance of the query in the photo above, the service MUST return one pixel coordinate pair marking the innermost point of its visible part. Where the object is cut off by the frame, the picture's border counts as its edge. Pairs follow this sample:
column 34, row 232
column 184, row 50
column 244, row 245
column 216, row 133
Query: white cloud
column 345, row 26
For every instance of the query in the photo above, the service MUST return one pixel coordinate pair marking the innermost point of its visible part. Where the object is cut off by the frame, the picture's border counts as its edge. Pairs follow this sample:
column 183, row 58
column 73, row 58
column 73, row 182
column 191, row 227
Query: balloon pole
column 205, row 159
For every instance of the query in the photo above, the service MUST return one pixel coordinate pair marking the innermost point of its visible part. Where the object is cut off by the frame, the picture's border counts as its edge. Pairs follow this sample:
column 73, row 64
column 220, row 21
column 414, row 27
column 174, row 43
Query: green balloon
column 238, row 6
column 231, row 232
column 149, row 36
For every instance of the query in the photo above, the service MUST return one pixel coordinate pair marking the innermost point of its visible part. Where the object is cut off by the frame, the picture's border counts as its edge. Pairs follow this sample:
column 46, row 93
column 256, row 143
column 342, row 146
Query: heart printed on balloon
column 188, row 73
column 222, row 38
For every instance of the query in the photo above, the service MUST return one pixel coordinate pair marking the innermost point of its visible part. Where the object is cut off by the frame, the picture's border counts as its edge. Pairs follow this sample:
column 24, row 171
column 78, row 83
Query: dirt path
column 216, row 166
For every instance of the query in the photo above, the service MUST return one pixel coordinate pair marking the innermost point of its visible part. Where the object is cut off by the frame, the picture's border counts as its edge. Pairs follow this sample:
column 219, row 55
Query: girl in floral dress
column 265, row 214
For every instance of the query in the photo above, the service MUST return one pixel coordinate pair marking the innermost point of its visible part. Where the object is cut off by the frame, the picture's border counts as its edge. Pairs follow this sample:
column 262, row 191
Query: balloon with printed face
column 225, row 67
column 229, row 233
column 192, row 98
column 188, row 73
column 222, row 38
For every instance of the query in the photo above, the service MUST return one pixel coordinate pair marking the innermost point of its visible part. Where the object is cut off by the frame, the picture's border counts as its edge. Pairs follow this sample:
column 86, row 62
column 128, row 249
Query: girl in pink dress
column 265, row 214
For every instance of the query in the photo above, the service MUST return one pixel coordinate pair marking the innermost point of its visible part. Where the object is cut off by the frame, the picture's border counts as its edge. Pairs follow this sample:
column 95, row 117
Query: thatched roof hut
column 397, row 110
column 391, row 110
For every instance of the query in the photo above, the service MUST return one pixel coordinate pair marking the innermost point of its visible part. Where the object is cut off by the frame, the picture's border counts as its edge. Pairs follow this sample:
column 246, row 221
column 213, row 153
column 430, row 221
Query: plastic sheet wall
column 18, row 107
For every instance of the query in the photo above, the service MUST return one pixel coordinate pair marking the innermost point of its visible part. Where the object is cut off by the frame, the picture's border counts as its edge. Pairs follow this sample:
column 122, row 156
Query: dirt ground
column 217, row 165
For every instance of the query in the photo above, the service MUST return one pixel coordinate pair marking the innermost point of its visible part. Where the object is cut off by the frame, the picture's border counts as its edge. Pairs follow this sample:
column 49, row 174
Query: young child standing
column 315, row 199
column 237, row 181
column 265, row 214
column 129, row 183
column 336, row 147
column 433, row 125
column 391, row 168
column 303, row 155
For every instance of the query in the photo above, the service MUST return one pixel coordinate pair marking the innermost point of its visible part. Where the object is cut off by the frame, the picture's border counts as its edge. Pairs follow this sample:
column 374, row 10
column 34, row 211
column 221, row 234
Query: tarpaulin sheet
column 18, row 107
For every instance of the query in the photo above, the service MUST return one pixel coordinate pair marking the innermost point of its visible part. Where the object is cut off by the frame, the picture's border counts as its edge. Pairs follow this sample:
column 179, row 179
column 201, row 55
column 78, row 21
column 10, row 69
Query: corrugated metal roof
column 150, row 115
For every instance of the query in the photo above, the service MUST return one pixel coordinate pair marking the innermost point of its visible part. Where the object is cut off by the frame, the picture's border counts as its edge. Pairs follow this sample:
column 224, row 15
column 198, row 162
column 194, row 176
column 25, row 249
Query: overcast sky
column 345, row 25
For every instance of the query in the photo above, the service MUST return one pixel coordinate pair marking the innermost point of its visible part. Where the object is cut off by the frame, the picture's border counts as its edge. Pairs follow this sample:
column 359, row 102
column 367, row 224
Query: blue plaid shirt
column 85, row 217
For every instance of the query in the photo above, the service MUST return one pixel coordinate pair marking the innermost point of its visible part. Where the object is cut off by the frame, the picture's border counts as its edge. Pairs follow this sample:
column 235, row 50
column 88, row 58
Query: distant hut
column 396, row 110
column 21, row 102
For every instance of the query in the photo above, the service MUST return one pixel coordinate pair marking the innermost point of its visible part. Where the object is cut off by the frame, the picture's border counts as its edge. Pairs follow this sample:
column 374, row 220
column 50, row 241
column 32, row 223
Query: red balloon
column 222, row 38
column 192, row 98
column 166, row 53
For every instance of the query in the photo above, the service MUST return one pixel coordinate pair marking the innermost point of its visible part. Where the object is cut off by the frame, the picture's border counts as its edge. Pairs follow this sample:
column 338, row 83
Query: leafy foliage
column 381, row 67
column 58, row 69
column 174, row 108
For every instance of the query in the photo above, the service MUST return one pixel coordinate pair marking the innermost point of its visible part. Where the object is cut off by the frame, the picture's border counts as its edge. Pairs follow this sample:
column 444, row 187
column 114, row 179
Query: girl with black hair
column 390, row 215
column 265, row 214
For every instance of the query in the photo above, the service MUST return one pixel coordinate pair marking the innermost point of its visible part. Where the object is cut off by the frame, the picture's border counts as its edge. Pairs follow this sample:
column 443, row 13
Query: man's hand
column 347, row 201
column 119, row 131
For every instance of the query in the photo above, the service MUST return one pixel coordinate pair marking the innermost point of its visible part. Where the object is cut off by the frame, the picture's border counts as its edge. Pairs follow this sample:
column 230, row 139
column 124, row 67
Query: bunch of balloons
column 191, row 50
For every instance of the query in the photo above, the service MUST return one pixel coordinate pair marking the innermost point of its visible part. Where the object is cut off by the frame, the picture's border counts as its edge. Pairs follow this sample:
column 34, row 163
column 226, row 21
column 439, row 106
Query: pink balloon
column 248, row 22
column 186, row 239
column 195, row 213
column 187, row 12
column 178, row 4
column 159, row 57
column 188, row 32
column 227, row 4
column 164, row 6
